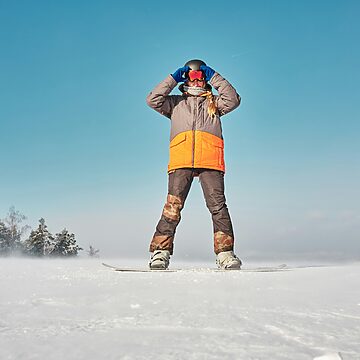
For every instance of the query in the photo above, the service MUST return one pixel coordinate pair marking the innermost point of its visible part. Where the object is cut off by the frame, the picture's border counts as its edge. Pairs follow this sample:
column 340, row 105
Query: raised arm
column 159, row 98
column 228, row 99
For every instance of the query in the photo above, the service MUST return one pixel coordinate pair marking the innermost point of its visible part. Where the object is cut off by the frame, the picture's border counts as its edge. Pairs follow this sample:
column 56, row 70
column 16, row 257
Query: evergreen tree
column 40, row 242
column 65, row 245
column 5, row 239
column 13, row 221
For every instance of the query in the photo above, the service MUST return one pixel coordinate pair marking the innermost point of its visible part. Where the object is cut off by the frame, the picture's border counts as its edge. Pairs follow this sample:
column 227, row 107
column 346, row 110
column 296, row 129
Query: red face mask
column 196, row 74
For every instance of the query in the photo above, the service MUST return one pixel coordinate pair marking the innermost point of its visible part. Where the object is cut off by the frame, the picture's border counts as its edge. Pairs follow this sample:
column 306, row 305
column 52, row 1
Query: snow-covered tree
column 40, row 242
column 92, row 252
column 65, row 244
column 13, row 222
column 5, row 239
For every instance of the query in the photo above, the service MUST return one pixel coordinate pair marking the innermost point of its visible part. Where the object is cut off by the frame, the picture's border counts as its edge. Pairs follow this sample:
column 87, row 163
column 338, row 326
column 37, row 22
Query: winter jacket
column 196, row 139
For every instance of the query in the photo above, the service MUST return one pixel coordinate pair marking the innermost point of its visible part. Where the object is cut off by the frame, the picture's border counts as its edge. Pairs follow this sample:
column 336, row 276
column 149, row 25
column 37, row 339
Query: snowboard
column 282, row 267
column 125, row 269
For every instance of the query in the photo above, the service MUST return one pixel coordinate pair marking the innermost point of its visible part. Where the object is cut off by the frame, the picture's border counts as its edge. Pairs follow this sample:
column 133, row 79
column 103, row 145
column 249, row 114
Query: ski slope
column 78, row 309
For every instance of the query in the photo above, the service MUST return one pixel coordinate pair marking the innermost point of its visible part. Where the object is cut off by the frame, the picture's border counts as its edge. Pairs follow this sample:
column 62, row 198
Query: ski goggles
column 196, row 75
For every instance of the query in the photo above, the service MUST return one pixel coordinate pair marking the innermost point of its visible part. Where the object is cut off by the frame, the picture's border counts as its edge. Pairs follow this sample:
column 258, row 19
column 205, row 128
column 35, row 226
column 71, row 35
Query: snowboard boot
column 160, row 260
column 227, row 260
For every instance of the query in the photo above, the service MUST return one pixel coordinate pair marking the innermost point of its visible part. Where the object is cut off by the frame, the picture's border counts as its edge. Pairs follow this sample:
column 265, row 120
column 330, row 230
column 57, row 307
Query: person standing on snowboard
column 196, row 149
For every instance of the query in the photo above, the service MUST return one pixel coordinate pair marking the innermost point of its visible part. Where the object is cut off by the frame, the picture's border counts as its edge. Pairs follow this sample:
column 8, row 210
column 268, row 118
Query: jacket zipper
column 193, row 130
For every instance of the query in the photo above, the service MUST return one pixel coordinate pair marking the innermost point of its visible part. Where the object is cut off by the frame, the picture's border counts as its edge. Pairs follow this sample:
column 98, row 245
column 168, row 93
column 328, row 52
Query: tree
column 5, row 239
column 40, row 242
column 93, row 252
column 14, row 220
column 65, row 245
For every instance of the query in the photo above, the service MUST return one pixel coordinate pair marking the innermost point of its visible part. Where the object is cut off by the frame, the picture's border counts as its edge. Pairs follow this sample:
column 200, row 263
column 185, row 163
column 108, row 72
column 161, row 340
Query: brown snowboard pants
column 212, row 183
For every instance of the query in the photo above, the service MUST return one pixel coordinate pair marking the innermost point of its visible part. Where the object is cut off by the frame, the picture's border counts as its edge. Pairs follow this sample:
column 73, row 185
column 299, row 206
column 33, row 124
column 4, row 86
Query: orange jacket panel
column 196, row 149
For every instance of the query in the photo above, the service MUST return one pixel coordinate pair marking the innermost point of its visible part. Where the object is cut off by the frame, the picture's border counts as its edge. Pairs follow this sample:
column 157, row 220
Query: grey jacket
column 195, row 137
column 190, row 112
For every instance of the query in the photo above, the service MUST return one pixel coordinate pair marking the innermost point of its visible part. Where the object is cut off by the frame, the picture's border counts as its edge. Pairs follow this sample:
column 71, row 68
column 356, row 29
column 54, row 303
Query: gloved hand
column 179, row 74
column 208, row 71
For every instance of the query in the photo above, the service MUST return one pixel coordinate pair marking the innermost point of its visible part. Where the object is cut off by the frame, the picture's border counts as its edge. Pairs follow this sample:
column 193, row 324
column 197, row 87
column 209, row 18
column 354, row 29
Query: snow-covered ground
column 78, row 309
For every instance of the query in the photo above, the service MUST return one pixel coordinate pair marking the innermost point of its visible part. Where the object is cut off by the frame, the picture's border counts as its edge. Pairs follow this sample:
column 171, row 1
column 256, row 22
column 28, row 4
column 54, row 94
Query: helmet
column 195, row 72
column 195, row 64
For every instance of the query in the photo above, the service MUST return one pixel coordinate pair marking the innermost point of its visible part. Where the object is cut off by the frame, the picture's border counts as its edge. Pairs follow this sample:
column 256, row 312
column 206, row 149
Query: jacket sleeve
column 228, row 99
column 159, row 98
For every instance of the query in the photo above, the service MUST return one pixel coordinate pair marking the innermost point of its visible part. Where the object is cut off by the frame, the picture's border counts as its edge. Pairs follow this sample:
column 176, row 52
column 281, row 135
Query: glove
column 208, row 71
column 179, row 74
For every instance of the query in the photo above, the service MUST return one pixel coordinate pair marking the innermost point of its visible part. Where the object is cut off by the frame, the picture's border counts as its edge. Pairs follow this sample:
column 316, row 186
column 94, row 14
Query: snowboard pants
column 212, row 183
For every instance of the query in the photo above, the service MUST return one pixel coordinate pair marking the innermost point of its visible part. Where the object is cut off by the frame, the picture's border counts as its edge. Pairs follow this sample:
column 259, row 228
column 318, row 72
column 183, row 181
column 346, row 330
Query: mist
column 259, row 233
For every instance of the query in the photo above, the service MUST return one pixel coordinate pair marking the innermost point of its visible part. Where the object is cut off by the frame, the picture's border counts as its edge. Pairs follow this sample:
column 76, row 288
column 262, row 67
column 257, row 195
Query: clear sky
column 80, row 147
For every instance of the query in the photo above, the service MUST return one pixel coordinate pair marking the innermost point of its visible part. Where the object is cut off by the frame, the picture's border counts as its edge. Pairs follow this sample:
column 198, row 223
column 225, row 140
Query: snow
column 78, row 309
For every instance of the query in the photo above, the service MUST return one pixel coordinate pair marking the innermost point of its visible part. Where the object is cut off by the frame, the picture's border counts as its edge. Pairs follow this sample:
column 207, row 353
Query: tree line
column 39, row 243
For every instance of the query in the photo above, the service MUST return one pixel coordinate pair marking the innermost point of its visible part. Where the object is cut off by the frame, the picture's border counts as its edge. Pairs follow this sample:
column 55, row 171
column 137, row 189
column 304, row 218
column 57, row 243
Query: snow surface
column 78, row 309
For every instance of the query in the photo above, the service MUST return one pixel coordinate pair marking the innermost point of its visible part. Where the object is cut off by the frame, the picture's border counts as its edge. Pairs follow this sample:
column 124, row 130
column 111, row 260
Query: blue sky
column 81, row 148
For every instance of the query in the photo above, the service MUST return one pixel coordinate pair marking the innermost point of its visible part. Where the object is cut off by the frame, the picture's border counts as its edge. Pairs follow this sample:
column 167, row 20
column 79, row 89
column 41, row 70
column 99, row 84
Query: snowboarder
column 196, row 150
